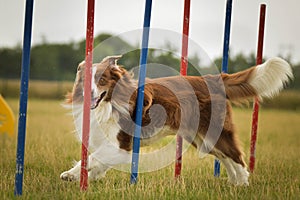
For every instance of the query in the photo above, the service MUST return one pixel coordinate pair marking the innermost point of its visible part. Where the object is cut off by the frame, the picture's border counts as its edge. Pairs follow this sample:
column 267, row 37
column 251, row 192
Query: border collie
column 198, row 108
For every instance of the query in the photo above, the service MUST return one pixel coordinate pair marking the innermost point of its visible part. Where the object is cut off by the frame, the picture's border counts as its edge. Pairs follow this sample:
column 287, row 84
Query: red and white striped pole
column 183, row 72
column 87, row 95
column 256, row 101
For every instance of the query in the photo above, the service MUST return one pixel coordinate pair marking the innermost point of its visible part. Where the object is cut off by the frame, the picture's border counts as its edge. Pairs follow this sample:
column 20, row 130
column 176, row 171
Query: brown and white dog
column 196, row 108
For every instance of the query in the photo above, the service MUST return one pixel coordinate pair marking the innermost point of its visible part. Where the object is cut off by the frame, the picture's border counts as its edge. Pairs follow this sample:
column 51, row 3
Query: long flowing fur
column 265, row 80
column 269, row 78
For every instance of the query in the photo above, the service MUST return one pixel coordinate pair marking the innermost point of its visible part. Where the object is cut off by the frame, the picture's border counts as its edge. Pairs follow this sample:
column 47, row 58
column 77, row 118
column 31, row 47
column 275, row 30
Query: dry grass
column 37, row 88
column 51, row 148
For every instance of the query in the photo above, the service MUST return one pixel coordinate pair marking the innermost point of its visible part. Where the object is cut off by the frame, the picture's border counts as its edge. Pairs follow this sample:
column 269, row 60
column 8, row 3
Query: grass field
column 51, row 148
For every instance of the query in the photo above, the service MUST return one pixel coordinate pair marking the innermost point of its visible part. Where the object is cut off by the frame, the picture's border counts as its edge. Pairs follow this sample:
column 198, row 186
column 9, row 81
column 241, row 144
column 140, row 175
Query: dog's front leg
column 95, row 170
column 72, row 174
column 105, row 157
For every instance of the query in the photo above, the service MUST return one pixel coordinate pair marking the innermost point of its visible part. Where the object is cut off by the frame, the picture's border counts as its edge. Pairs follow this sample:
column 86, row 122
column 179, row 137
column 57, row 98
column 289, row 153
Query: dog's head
column 105, row 76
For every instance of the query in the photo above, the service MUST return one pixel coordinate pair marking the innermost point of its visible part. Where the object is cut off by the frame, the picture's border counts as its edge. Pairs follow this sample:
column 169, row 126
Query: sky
column 62, row 21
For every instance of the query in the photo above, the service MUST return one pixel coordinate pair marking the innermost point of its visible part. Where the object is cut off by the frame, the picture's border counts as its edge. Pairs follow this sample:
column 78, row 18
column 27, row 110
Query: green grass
column 51, row 147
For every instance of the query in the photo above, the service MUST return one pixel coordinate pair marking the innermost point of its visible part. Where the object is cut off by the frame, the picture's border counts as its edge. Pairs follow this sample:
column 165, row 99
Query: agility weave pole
column 183, row 72
column 87, row 94
column 23, row 98
column 259, row 57
column 140, row 94
column 225, row 58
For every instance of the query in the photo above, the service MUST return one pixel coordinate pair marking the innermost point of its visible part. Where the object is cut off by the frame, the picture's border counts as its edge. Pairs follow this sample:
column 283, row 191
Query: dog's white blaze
column 93, row 83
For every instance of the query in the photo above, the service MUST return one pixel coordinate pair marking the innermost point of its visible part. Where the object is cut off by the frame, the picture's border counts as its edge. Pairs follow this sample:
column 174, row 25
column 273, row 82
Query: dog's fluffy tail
column 265, row 80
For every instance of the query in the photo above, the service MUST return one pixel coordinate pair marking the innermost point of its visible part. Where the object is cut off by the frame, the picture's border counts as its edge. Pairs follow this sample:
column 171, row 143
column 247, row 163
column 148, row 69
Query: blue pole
column 226, row 36
column 225, row 61
column 23, row 98
column 140, row 94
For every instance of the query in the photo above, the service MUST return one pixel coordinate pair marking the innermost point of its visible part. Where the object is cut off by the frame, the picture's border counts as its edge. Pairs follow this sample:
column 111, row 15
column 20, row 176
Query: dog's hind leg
column 233, row 156
column 229, row 169
column 237, row 174
column 228, row 152
column 242, row 174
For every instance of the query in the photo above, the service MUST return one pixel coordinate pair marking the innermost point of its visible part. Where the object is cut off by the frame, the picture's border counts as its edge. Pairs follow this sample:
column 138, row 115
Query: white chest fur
column 103, row 125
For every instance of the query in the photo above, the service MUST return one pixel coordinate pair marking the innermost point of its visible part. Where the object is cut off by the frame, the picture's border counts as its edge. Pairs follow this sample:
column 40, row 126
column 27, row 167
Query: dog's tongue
column 94, row 103
column 96, row 100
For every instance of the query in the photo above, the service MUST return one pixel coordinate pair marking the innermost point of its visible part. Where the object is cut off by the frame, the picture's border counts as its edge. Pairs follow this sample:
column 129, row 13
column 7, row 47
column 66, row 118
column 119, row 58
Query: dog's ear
column 148, row 100
column 112, row 61
column 81, row 65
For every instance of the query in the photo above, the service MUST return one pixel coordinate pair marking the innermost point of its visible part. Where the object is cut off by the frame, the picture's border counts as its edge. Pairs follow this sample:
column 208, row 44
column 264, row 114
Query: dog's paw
column 243, row 180
column 67, row 176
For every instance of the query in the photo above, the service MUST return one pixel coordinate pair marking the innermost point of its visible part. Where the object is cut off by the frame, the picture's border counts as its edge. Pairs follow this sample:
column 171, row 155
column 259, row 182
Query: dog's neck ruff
column 103, row 124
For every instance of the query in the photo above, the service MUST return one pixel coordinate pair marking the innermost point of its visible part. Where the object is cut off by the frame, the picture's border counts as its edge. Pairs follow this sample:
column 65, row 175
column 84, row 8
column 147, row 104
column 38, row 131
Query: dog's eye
column 102, row 81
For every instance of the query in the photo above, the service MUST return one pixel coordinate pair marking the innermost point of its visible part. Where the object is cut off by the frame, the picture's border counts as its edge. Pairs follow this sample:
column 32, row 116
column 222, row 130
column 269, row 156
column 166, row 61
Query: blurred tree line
column 58, row 62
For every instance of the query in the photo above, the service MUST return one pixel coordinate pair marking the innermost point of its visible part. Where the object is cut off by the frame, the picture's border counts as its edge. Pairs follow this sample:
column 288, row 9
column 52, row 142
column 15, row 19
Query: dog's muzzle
column 95, row 101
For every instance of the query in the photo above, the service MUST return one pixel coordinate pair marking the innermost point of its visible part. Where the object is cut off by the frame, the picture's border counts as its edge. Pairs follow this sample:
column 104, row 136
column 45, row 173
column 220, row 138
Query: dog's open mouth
column 96, row 100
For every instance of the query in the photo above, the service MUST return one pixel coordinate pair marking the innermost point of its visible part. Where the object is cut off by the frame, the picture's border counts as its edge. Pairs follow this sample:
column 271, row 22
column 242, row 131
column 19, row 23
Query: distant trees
column 59, row 61
column 10, row 62
column 53, row 61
